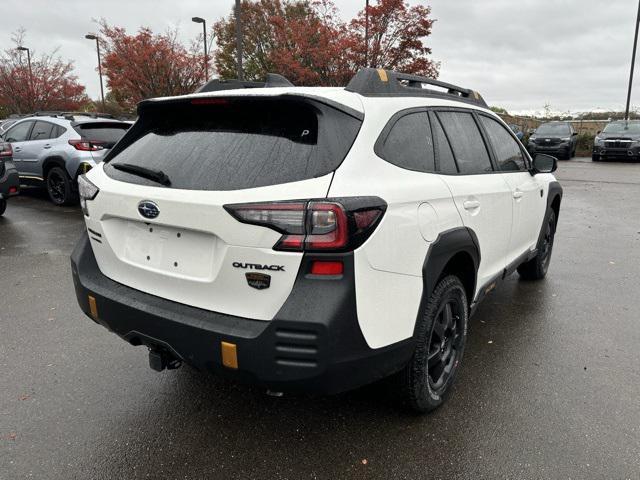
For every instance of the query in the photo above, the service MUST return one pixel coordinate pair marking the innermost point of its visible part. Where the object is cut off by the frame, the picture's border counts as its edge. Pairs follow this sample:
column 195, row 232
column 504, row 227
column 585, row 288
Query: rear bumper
column 313, row 344
column 9, row 182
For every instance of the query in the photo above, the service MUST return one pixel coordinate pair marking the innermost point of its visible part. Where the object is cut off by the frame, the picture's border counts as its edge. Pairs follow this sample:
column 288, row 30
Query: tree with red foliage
column 300, row 39
column 307, row 42
column 148, row 65
column 395, row 38
column 50, row 85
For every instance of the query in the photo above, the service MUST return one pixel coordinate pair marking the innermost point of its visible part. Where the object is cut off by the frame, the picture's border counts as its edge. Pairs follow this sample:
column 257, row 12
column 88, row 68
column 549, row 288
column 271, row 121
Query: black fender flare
column 440, row 252
column 49, row 162
column 555, row 191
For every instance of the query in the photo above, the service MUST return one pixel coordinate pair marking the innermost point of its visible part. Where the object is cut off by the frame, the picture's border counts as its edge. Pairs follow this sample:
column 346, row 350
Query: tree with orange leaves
column 49, row 85
column 146, row 65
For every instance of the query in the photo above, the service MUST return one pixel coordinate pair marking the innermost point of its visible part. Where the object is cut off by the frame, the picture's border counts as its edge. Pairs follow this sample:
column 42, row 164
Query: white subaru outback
column 312, row 239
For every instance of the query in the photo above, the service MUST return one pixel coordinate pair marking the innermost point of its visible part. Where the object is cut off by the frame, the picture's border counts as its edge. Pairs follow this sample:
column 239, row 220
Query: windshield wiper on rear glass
column 157, row 176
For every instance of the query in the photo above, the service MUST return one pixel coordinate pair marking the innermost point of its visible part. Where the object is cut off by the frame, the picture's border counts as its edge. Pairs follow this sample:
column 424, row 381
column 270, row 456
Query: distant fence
column 583, row 127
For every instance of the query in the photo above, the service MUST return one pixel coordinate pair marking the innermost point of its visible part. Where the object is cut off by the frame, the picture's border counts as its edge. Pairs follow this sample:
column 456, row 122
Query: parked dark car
column 619, row 139
column 9, row 180
column 554, row 138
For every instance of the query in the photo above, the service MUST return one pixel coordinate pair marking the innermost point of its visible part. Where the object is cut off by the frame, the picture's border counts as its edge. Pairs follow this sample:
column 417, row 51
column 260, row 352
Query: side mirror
column 599, row 132
column 544, row 164
column 574, row 134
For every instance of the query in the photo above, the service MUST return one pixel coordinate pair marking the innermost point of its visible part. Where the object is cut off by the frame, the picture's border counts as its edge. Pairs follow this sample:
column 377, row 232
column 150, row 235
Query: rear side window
column 107, row 133
column 446, row 162
column 467, row 143
column 57, row 131
column 41, row 131
column 18, row 133
column 508, row 153
column 409, row 144
column 236, row 143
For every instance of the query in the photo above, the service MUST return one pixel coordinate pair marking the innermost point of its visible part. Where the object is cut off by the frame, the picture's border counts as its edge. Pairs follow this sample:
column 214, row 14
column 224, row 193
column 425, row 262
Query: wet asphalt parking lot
column 549, row 386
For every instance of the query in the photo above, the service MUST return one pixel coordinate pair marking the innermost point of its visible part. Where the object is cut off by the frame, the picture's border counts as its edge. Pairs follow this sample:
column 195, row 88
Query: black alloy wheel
column 59, row 187
column 537, row 267
column 444, row 344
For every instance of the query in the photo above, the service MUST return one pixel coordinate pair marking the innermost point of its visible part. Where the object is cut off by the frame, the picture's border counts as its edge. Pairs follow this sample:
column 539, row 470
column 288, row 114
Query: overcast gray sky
column 520, row 54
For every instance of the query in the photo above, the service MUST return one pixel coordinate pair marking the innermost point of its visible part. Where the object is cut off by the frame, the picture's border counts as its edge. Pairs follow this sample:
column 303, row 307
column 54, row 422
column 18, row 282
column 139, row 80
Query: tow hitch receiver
column 160, row 359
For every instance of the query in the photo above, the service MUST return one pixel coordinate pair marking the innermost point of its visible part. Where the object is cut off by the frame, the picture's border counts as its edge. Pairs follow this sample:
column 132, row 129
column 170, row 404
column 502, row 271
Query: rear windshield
column 104, row 132
column 236, row 143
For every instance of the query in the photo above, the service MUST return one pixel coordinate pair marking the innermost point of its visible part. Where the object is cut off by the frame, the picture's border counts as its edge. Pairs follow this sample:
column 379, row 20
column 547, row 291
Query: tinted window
column 466, row 141
column 41, row 131
column 508, row 154
column 108, row 132
column 57, row 131
column 553, row 129
column 18, row 133
column 409, row 144
column 446, row 162
column 231, row 144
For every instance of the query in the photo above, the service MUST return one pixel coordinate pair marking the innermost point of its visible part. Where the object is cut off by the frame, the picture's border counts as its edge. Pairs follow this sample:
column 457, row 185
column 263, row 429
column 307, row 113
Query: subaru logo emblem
column 148, row 209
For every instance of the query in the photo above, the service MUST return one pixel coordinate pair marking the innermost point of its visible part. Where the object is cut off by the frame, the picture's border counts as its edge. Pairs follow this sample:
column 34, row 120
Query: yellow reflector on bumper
column 229, row 355
column 93, row 308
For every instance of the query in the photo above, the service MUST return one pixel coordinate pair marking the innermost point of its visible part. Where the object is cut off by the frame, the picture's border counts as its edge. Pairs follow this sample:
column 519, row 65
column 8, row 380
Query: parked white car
column 312, row 239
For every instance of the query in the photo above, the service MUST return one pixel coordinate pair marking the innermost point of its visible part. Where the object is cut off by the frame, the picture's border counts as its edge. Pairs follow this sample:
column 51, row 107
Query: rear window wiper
column 157, row 176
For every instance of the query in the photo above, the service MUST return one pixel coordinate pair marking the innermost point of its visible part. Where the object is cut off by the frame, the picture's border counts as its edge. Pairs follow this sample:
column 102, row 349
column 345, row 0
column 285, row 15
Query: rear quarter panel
column 388, row 266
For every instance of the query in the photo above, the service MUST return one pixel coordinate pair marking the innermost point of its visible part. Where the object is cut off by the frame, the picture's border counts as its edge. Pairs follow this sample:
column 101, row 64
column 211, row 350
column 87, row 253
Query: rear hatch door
column 176, row 240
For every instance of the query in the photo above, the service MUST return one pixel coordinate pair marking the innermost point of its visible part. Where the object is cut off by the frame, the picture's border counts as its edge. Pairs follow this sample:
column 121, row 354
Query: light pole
column 366, row 34
column 239, row 41
column 90, row 36
column 633, row 64
column 206, row 58
column 25, row 49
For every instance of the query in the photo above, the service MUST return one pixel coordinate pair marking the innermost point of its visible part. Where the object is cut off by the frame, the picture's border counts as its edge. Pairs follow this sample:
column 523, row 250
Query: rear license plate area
column 170, row 250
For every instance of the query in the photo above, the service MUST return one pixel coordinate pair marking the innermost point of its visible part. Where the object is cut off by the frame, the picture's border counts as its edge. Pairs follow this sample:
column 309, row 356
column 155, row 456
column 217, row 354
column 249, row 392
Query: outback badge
column 259, row 281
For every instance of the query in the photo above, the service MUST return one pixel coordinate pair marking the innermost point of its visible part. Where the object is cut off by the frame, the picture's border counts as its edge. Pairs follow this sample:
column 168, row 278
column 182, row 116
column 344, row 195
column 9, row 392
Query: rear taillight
column 6, row 150
column 87, row 145
column 315, row 225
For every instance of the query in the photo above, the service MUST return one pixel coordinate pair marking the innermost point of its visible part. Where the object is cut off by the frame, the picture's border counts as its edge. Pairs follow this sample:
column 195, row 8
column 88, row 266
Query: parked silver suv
column 53, row 148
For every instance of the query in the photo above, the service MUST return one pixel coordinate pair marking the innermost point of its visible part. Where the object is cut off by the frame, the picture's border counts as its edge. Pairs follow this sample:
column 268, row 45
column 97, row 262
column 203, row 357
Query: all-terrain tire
column 441, row 335
column 537, row 267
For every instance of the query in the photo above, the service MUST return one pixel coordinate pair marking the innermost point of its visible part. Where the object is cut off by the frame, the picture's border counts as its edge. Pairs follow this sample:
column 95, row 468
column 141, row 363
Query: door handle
column 471, row 204
column 17, row 149
column 48, row 145
column 517, row 194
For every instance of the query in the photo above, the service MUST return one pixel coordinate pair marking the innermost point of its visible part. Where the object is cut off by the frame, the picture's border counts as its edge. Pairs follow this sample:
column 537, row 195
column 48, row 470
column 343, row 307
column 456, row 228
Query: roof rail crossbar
column 385, row 83
column 57, row 113
column 273, row 80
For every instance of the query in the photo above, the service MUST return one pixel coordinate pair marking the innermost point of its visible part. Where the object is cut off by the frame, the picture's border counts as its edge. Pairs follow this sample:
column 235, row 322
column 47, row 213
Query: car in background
column 5, row 124
column 53, row 149
column 517, row 131
column 619, row 139
column 9, row 180
column 554, row 138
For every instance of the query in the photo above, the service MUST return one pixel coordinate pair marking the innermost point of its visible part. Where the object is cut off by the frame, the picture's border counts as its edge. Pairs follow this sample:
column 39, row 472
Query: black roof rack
column 273, row 80
column 59, row 113
column 372, row 82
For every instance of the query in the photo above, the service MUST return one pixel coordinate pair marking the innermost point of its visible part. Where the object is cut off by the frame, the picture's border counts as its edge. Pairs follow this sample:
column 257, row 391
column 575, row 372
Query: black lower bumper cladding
column 313, row 344
column 9, row 183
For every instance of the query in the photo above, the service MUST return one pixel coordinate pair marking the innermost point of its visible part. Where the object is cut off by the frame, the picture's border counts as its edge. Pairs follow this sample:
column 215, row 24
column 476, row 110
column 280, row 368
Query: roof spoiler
column 377, row 82
column 273, row 80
